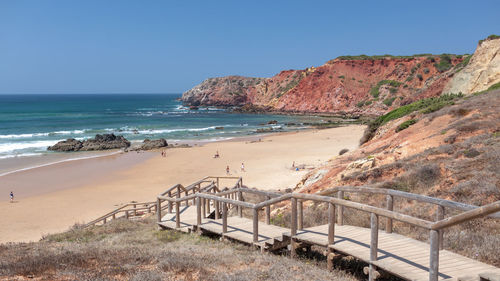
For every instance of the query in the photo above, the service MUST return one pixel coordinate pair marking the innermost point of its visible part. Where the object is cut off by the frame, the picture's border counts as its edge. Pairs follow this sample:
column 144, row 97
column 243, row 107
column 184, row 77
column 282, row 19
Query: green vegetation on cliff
column 425, row 106
column 375, row 89
column 491, row 37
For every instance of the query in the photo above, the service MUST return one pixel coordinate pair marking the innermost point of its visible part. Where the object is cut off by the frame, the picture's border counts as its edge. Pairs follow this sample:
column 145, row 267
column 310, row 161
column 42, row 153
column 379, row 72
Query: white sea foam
column 22, row 136
column 36, row 145
column 57, row 162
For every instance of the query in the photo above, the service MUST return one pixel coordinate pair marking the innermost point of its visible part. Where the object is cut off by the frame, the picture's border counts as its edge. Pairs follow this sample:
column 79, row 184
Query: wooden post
column 198, row 213
column 224, row 217
column 135, row 211
column 390, row 207
column 255, row 225
column 340, row 220
column 114, row 216
column 218, row 186
column 434, row 256
column 203, row 203
column 158, row 209
column 331, row 223
column 217, row 214
column 293, row 229
column 440, row 216
column 300, row 220
column 240, row 209
column 126, row 214
column 169, row 203
column 294, row 217
column 177, row 215
column 331, row 235
column 373, row 246
column 104, row 221
column 208, row 207
column 186, row 194
column 268, row 211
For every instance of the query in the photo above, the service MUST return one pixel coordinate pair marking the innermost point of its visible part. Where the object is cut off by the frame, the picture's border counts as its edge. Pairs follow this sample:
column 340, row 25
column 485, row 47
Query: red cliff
column 347, row 85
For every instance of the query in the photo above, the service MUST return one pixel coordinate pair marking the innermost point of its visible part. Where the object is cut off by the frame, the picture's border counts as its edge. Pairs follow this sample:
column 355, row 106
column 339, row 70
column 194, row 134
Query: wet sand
column 52, row 198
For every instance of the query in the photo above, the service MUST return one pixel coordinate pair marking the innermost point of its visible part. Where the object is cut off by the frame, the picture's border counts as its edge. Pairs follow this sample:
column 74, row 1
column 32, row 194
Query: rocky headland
column 355, row 85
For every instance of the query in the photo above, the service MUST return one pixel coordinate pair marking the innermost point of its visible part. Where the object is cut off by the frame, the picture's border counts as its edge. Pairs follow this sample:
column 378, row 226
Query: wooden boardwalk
column 399, row 255
column 203, row 207
column 239, row 229
column 402, row 256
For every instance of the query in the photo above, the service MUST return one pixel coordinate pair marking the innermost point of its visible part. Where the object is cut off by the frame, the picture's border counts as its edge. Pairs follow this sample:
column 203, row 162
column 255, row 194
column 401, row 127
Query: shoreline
column 60, row 195
column 105, row 153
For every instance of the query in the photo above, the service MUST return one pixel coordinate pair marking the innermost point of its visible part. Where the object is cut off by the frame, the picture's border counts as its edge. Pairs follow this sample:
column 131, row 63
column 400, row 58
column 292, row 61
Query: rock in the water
column 100, row 142
column 67, row 145
column 152, row 144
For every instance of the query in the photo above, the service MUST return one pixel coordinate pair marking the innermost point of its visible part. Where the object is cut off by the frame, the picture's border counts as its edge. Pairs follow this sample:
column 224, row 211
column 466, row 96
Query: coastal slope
column 445, row 147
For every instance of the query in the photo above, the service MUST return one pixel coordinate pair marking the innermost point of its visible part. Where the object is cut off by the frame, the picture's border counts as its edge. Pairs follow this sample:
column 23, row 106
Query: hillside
column 128, row 250
column 355, row 85
column 447, row 147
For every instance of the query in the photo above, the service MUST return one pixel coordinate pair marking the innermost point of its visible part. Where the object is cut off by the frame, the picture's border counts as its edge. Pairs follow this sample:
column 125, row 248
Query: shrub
column 419, row 76
column 343, row 151
column 444, row 63
column 426, row 70
column 405, row 125
column 368, row 102
column 389, row 101
column 375, row 89
column 393, row 90
column 471, row 153
column 491, row 37
column 409, row 78
column 342, row 77
column 494, row 87
column 360, row 104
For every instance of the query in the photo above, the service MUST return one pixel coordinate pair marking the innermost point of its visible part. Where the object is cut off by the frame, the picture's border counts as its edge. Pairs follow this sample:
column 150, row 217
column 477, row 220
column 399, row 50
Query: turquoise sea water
column 30, row 123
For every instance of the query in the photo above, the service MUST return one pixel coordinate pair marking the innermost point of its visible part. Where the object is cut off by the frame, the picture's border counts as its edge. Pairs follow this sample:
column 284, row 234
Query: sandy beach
column 53, row 198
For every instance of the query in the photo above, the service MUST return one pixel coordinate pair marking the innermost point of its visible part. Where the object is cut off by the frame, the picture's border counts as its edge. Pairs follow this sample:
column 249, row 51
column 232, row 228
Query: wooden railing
column 126, row 211
column 233, row 197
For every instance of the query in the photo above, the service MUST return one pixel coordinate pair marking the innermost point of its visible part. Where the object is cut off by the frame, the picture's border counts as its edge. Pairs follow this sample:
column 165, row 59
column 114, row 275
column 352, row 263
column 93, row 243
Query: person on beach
column 11, row 197
column 242, row 167
column 227, row 170
column 216, row 154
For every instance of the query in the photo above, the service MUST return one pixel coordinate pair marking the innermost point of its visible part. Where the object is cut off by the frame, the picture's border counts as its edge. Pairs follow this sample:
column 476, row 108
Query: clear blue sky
column 169, row 46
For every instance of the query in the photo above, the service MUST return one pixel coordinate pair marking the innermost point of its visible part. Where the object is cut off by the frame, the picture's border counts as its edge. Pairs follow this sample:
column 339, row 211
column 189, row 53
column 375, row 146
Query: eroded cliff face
column 342, row 86
column 481, row 72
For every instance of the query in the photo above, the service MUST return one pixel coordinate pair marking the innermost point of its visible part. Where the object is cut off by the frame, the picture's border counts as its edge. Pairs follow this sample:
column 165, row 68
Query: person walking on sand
column 11, row 197
column 242, row 167
column 227, row 170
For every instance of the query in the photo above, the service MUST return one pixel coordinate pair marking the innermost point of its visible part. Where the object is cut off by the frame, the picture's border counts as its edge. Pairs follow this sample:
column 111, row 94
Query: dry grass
column 127, row 250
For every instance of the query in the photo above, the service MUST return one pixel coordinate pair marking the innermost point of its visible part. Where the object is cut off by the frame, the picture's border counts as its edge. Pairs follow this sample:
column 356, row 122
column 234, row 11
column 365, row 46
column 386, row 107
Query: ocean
column 31, row 123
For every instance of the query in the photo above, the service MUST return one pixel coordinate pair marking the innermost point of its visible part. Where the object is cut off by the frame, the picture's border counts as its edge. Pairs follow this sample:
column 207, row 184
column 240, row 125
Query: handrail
column 403, row 194
column 122, row 209
column 366, row 208
column 466, row 216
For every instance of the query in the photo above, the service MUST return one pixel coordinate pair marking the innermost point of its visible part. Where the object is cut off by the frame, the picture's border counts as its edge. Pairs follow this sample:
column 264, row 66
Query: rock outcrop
column 222, row 91
column 481, row 72
column 100, row 142
column 148, row 144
